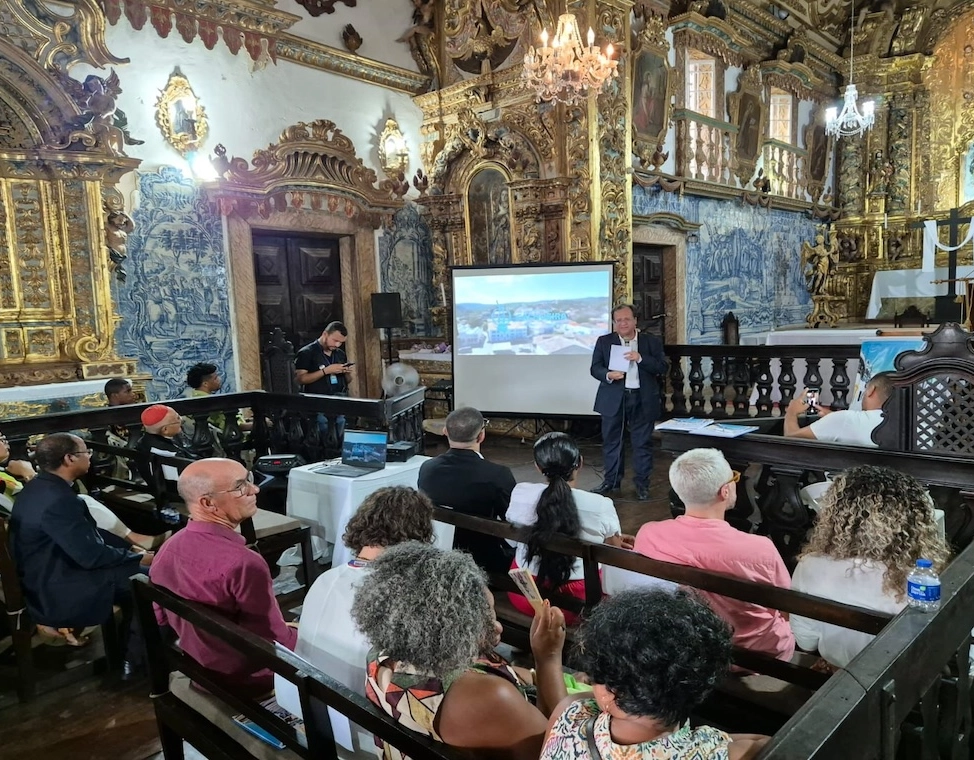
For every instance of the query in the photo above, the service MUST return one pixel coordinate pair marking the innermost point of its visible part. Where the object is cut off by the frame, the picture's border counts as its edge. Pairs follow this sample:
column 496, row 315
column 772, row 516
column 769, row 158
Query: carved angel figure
column 118, row 226
column 818, row 264
column 100, row 121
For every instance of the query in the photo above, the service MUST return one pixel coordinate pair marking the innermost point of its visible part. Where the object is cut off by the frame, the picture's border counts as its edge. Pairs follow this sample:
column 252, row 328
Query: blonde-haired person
column 874, row 523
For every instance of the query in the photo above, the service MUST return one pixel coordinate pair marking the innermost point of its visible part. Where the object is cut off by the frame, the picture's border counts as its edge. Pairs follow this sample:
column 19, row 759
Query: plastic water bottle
column 923, row 587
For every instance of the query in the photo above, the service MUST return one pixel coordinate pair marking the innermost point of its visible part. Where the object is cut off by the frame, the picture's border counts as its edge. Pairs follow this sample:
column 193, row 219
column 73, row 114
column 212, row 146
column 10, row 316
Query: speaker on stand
column 387, row 313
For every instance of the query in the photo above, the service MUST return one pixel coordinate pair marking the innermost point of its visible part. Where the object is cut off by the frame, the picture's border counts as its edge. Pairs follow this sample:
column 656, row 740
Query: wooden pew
column 517, row 625
column 186, row 714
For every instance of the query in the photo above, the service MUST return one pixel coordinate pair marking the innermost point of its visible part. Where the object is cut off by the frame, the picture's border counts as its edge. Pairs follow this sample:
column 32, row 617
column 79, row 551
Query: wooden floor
column 102, row 719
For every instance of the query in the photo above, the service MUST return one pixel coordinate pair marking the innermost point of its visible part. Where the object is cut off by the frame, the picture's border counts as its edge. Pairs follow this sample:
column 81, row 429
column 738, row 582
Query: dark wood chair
column 22, row 630
column 911, row 317
column 277, row 360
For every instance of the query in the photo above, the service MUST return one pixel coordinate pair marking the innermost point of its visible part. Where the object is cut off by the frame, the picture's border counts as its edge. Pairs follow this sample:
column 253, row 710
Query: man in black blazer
column 462, row 479
column 627, row 398
column 70, row 577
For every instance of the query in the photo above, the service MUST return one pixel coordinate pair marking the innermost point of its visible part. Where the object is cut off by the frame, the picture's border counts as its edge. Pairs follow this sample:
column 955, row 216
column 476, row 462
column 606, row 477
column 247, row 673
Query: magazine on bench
column 271, row 706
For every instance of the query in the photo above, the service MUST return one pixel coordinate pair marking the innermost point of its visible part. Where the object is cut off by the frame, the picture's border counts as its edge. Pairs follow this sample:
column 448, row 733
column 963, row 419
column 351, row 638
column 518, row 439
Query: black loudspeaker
column 386, row 310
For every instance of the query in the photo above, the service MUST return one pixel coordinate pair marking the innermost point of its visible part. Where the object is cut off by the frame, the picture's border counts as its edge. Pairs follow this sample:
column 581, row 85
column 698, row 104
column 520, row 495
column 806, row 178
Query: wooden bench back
column 931, row 409
column 312, row 684
column 593, row 555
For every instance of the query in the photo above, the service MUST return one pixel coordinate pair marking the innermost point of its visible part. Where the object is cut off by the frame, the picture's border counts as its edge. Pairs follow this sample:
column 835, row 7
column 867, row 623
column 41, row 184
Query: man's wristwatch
column 322, row 368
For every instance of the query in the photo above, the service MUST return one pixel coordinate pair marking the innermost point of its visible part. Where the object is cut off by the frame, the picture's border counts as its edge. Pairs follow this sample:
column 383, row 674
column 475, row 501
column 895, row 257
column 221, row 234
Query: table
column 326, row 502
column 909, row 283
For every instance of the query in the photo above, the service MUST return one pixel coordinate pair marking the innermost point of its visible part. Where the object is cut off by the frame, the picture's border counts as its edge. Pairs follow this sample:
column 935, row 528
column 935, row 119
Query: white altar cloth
column 909, row 283
column 51, row 391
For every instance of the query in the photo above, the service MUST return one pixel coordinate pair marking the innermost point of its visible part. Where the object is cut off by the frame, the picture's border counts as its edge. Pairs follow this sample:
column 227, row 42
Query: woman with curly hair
column 327, row 637
column 558, row 508
column 652, row 657
column 874, row 523
column 431, row 620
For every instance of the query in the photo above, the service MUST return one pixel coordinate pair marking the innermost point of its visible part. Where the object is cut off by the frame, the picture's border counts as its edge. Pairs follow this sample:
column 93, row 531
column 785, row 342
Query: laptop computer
column 363, row 451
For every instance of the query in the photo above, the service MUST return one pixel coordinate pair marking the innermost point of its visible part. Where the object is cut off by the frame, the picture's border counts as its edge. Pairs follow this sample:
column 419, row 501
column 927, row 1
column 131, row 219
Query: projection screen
column 523, row 337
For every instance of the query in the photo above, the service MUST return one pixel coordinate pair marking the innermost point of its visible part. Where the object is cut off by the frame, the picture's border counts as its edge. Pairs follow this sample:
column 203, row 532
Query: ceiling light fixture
column 850, row 122
column 566, row 71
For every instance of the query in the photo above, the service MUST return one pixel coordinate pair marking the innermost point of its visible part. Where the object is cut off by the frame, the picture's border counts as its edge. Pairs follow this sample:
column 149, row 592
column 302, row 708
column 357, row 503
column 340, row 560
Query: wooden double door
column 648, row 287
column 299, row 285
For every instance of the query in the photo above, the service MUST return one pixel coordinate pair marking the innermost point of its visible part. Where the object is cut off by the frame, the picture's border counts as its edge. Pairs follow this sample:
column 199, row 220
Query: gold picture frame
column 180, row 116
column 749, row 113
column 653, row 86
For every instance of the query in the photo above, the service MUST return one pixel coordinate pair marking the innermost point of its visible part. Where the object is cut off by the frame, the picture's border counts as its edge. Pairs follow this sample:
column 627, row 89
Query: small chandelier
column 566, row 71
column 850, row 122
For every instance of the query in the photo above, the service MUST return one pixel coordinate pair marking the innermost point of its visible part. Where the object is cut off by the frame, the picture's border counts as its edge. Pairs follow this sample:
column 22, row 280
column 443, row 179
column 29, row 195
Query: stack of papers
column 724, row 431
column 700, row 426
column 684, row 424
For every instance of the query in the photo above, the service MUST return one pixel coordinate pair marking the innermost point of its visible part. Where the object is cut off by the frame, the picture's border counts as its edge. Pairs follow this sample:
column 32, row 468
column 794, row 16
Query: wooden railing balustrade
column 746, row 381
column 784, row 165
column 704, row 148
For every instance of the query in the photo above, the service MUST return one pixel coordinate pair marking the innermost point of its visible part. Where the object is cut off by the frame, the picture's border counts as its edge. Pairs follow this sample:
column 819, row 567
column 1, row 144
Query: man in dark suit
column 462, row 479
column 70, row 577
column 628, row 397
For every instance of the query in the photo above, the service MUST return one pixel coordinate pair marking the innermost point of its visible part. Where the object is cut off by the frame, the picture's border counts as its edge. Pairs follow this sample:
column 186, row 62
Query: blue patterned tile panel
column 175, row 305
column 747, row 260
column 406, row 267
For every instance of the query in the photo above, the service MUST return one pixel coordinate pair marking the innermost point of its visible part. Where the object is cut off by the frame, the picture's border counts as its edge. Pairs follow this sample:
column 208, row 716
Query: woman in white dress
column 873, row 524
column 558, row 508
column 327, row 635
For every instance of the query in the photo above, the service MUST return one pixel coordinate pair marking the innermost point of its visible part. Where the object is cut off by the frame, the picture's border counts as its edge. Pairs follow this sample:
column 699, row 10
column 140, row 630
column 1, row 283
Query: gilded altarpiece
column 915, row 162
column 61, row 154
column 566, row 167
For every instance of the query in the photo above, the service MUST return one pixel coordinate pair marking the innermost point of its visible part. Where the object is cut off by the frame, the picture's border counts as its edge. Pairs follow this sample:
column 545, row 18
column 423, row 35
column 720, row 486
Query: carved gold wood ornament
column 180, row 116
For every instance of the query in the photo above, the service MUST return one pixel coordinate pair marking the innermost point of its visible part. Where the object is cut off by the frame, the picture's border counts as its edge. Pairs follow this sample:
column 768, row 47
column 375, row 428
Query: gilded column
column 598, row 150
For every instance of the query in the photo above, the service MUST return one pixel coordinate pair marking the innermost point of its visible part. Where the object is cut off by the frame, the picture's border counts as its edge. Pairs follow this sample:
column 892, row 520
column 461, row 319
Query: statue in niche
column 880, row 173
column 488, row 207
column 118, row 226
column 100, row 122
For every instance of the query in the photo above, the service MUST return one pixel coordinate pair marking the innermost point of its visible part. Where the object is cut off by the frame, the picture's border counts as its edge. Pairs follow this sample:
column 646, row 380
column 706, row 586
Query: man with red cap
column 162, row 424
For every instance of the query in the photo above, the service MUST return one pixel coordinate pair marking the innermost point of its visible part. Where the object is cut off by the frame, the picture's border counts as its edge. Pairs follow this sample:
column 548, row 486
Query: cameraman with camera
column 847, row 427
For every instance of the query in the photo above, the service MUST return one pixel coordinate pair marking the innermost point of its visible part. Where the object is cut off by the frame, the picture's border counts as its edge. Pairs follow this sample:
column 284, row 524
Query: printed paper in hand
column 525, row 582
column 617, row 360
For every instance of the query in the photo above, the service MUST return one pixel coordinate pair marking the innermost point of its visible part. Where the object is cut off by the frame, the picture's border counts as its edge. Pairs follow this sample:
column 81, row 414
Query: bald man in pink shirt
column 209, row 562
column 702, row 538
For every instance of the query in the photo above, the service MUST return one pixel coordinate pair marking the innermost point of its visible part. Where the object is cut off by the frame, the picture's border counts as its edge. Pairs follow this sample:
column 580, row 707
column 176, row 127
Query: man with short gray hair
column 462, row 479
column 702, row 538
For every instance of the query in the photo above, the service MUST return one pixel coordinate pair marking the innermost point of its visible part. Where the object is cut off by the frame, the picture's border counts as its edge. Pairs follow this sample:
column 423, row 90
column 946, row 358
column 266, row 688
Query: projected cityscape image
column 531, row 314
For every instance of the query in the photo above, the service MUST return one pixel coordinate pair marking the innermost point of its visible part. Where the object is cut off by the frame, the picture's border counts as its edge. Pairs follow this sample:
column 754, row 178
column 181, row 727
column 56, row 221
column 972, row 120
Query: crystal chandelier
column 566, row 71
column 850, row 122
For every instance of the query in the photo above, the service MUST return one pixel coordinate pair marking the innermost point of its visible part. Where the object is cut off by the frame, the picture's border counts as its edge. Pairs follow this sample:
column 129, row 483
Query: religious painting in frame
column 653, row 82
column 180, row 116
column 817, row 147
column 748, row 112
column 489, row 216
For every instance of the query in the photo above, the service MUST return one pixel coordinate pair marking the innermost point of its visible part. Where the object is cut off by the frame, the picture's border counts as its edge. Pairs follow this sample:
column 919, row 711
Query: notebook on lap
column 363, row 451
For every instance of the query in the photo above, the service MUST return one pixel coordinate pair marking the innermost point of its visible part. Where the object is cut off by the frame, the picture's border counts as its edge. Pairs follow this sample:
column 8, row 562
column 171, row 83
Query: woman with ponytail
column 558, row 508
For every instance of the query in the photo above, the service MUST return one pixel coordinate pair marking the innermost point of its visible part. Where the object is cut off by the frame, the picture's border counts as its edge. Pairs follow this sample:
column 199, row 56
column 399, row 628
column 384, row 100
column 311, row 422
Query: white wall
column 379, row 22
column 247, row 109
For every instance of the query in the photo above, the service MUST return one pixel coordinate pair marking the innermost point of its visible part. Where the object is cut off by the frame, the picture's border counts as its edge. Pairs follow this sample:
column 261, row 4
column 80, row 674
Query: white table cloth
column 327, row 503
column 910, row 283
